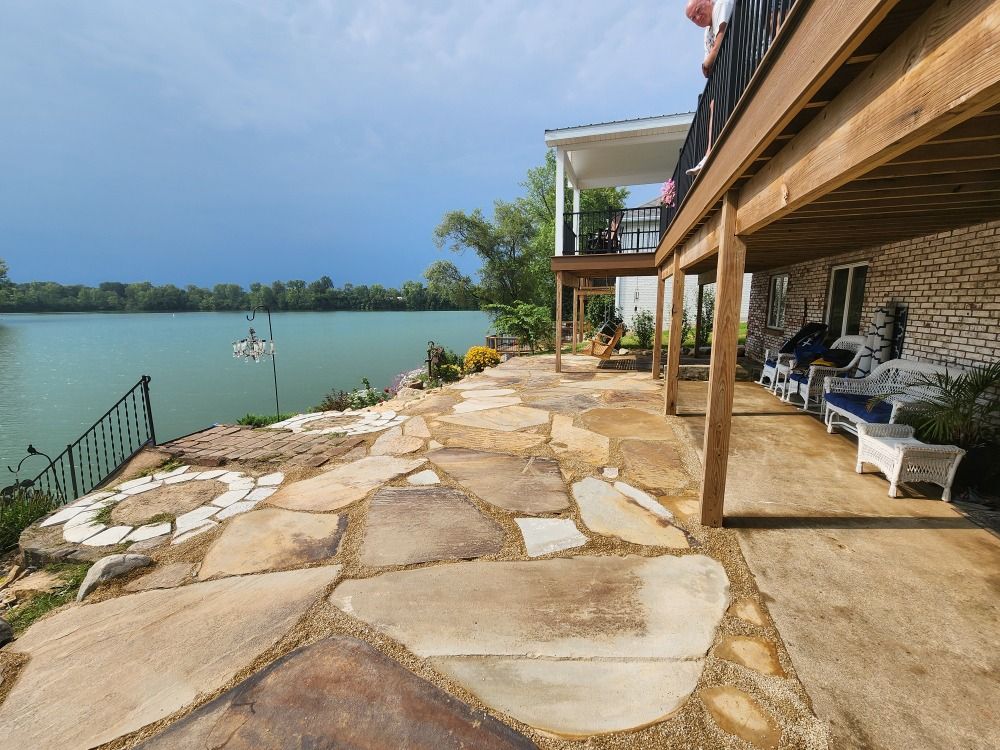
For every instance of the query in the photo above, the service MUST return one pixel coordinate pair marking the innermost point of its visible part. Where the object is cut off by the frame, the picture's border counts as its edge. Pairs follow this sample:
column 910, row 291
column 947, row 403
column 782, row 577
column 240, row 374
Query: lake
column 60, row 372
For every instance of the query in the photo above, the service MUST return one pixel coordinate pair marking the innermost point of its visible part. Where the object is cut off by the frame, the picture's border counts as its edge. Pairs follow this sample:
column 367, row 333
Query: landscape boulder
column 6, row 632
column 110, row 567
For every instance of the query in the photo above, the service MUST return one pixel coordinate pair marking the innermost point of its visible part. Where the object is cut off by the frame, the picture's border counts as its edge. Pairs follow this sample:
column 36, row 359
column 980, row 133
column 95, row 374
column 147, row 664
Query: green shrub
column 478, row 358
column 644, row 327
column 24, row 614
column 601, row 309
column 19, row 510
column 262, row 420
column 335, row 400
column 449, row 373
column 532, row 324
column 366, row 396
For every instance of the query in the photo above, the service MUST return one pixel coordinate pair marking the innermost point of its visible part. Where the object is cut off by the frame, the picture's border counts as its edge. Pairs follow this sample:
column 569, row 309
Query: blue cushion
column 800, row 377
column 769, row 362
column 858, row 406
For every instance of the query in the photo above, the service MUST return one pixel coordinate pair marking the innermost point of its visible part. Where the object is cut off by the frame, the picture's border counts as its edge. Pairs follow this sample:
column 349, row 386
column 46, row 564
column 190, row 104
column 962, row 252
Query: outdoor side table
column 894, row 450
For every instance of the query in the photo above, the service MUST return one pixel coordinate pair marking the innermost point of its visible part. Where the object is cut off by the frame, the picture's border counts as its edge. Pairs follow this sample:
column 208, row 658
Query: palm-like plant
column 962, row 410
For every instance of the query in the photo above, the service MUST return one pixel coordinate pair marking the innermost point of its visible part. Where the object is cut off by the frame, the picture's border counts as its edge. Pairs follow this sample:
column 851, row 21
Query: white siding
column 636, row 293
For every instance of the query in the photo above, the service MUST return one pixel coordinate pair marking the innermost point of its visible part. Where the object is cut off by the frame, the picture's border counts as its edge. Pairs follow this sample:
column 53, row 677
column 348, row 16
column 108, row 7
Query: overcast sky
column 201, row 141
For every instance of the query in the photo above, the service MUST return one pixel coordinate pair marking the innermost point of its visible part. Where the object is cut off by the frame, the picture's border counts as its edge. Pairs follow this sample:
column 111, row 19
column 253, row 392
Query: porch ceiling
column 631, row 152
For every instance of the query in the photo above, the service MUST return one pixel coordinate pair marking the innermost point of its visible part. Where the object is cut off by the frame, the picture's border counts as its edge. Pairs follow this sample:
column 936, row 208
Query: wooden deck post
column 576, row 301
column 559, row 292
column 722, row 371
column 672, row 374
column 658, row 335
column 698, row 320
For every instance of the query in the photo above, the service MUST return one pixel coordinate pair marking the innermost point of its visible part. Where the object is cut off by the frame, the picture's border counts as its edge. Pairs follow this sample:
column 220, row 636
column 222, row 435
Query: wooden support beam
column 942, row 70
column 672, row 374
column 658, row 335
column 703, row 244
column 559, row 293
column 805, row 56
column 576, row 309
column 699, row 314
column 722, row 371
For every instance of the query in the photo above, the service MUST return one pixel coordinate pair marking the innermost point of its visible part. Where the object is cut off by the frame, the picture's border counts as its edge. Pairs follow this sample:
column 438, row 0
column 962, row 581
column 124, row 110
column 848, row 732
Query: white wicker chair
column 902, row 458
column 809, row 386
column 776, row 368
column 845, row 400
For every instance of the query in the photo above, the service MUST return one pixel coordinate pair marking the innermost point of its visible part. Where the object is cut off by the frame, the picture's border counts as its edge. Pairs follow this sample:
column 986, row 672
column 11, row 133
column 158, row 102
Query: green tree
column 446, row 283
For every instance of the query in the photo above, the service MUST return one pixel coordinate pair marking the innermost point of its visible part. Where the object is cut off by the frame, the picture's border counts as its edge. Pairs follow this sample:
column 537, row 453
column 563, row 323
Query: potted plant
column 962, row 410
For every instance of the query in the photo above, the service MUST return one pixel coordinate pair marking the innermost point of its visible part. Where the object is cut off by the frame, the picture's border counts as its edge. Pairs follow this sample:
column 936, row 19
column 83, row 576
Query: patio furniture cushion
column 858, row 406
column 835, row 358
column 800, row 377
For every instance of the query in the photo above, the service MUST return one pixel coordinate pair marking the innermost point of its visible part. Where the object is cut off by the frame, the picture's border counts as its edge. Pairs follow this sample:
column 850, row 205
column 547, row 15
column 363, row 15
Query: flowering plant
column 668, row 193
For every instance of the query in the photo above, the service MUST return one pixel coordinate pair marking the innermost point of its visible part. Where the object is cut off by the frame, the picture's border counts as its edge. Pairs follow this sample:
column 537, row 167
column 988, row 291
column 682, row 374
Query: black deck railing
column 621, row 230
column 752, row 31
column 105, row 447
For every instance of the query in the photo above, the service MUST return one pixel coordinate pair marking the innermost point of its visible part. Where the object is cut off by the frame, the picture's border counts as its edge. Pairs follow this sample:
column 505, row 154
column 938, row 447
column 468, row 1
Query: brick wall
column 949, row 281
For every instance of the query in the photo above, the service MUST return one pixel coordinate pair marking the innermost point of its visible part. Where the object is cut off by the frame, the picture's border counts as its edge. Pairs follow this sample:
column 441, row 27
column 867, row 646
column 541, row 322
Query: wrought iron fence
column 109, row 443
column 621, row 230
column 752, row 31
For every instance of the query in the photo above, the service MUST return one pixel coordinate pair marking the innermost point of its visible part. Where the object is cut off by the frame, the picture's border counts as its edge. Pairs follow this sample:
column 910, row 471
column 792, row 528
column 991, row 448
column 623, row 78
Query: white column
column 576, row 214
column 560, row 197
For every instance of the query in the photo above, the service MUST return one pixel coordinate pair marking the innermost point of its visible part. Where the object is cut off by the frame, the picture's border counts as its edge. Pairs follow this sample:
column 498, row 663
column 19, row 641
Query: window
column 777, row 293
column 844, row 300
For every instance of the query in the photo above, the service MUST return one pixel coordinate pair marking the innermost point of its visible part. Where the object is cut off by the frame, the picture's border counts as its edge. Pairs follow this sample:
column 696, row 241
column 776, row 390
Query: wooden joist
column 823, row 39
column 942, row 70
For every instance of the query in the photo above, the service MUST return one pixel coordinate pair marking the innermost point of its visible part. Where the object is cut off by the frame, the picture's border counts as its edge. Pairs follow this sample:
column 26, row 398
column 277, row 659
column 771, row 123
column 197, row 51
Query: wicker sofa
column 846, row 401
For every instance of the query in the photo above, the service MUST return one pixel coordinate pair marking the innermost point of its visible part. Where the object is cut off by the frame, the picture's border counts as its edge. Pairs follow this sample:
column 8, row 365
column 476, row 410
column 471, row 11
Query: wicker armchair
column 902, row 458
column 809, row 385
column 846, row 400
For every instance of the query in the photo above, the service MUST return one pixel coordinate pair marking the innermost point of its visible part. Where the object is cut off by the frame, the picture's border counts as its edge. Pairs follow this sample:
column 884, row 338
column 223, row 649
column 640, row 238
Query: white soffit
column 627, row 152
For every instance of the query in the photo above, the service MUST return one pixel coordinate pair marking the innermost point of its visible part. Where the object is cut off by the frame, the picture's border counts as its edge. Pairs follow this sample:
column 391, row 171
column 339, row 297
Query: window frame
column 780, row 324
column 851, row 267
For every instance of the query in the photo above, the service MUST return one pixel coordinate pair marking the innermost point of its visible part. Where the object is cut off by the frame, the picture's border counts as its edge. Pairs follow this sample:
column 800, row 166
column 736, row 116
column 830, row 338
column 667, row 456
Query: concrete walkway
column 890, row 608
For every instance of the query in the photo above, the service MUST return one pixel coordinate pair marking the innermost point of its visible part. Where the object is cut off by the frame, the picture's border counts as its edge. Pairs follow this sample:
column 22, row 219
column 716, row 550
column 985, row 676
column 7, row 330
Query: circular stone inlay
column 172, row 499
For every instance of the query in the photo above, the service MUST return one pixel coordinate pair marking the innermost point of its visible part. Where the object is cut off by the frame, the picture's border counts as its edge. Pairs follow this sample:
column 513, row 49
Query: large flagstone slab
column 526, row 485
column 627, row 513
column 506, row 419
column 482, row 404
column 366, row 701
column 344, row 485
column 573, row 646
column 655, row 464
column 408, row 525
column 457, row 436
column 576, row 442
column 395, row 443
column 542, row 536
column 627, row 423
column 98, row 671
column 272, row 539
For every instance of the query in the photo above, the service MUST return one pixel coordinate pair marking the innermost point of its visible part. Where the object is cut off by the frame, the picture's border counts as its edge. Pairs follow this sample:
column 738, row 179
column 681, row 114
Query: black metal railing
column 123, row 430
column 622, row 230
column 752, row 31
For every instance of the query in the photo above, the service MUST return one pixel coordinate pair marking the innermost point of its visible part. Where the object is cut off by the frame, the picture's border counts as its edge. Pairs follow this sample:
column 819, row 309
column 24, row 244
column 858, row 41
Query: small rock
column 271, row 480
column 425, row 477
column 749, row 610
column 610, row 472
column 751, row 652
column 110, row 567
column 6, row 632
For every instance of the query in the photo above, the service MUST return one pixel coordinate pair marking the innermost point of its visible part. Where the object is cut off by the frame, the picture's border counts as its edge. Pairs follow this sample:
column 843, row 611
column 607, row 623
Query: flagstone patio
column 487, row 568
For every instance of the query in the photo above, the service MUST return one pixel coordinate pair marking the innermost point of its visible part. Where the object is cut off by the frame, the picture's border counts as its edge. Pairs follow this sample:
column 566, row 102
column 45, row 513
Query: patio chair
column 846, row 401
column 777, row 364
column 605, row 342
column 607, row 239
column 808, row 385
column 894, row 450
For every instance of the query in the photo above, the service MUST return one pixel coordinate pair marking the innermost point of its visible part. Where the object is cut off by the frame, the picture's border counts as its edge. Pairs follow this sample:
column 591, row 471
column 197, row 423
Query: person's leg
column 711, row 118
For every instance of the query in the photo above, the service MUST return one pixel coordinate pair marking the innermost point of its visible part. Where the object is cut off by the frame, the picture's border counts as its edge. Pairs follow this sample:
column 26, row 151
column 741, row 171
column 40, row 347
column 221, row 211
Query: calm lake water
column 59, row 373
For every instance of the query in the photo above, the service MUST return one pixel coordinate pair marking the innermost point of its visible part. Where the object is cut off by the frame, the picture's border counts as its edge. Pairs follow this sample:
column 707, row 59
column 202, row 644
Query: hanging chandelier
column 253, row 348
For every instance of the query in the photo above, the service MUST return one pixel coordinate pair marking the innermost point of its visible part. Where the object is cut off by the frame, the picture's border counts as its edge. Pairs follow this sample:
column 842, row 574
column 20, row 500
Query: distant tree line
column 446, row 289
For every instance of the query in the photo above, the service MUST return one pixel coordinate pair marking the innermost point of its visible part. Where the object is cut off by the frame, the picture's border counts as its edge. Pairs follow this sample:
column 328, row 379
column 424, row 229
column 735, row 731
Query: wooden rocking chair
column 604, row 344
